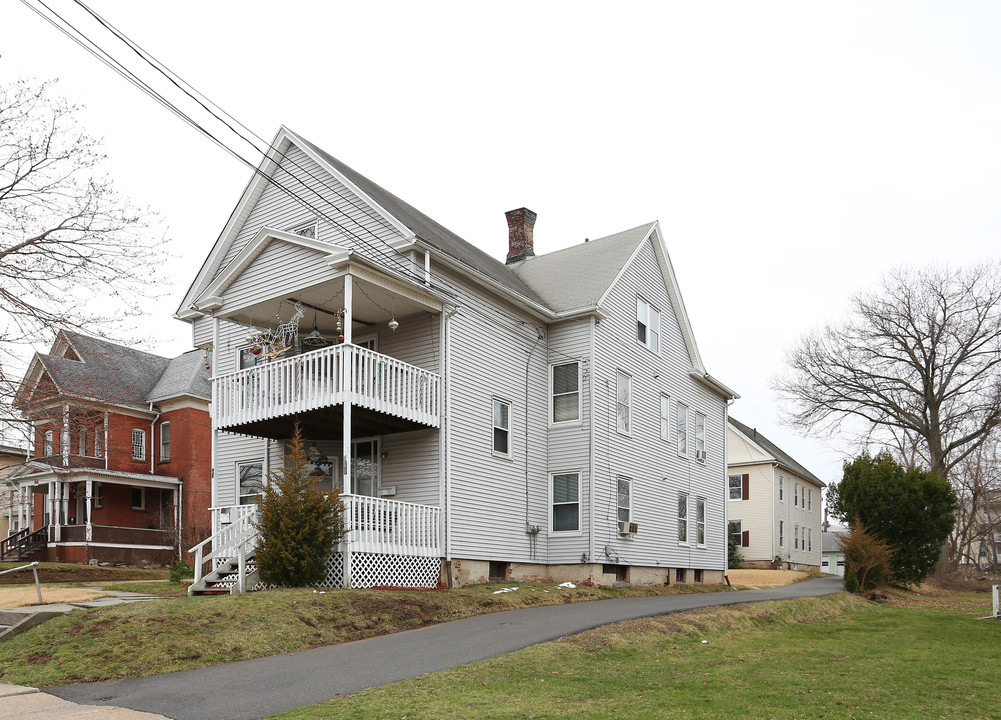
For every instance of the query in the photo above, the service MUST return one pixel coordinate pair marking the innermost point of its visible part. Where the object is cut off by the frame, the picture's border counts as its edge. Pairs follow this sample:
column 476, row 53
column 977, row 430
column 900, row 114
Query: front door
column 365, row 467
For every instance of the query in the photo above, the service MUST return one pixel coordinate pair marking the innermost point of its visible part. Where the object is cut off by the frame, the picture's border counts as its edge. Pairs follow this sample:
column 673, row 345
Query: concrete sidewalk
column 253, row 689
column 26, row 703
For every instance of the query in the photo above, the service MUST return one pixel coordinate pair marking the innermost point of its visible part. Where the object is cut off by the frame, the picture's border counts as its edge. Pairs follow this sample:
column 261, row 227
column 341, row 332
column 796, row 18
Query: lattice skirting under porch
column 373, row 570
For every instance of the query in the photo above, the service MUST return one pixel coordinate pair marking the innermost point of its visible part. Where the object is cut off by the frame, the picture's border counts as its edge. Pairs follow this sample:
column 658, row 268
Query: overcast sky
column 793, row 152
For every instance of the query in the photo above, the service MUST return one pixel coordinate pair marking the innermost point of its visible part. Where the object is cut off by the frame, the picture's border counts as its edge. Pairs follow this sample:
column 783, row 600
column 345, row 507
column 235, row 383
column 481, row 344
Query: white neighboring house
column 833, row 560
column 543, row 417
column 774, row 503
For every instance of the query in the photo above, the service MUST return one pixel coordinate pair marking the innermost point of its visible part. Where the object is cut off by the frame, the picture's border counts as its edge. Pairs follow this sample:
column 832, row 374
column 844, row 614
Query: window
column 248, row 359
column 165, row 441
column 47, row 443
column 502, row 428
column 82, row 443
column 308, row 230
column 795, row 495
column 700, row 437
column 809, row 500
column 138, row 498
column 809, row 537
column 98, row 495
column 138, row 444
column 682, row 430
column 647, row 324
column 566, row 392
column 682, row 517
column 736, row 528
column 700, row 521
column 699, row 575
column 795, row 536
column 782, row 489
column 782, row 533
column 251, row 476
column 736, row 487
column 565, row 488
column 665, row 417
column 802, row 542
column 99, row 440
column 624, row 499
column 623, row 401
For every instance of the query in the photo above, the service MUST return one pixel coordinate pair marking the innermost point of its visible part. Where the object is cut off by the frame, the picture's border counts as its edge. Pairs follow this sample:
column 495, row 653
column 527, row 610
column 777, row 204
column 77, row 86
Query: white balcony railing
column 322, row 378
column 391, row 527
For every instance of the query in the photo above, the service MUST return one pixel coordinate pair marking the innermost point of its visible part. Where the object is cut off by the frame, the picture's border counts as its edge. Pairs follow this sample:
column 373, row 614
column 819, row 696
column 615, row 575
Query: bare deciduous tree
column 73, row 252
column 918, row 363
column 977, row 481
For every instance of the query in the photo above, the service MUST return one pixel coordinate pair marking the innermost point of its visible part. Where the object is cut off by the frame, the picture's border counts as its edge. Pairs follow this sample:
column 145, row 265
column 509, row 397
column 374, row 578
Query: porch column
column 89, row 503
column 20, row 506
column 177, row 519
column 347, row 385
column 53, row 518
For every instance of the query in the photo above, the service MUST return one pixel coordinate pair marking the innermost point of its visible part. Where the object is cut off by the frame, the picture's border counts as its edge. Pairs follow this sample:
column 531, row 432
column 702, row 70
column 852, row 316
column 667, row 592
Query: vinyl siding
column 493, row 497
column 755, row 513
column 345, row 217
column 657, row 472
column 278, row 271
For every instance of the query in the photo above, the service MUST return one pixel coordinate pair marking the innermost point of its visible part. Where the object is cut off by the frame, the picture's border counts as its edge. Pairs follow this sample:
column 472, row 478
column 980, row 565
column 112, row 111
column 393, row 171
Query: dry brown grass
column 24, row 595
column 766, row 578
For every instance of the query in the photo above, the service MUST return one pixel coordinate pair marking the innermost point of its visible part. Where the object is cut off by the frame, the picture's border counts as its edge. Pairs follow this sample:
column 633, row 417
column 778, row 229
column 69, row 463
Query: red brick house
column 121, row 460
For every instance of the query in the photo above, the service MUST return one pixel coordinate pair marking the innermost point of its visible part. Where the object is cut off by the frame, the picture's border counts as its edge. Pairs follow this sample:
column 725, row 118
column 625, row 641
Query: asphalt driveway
column 253, row 689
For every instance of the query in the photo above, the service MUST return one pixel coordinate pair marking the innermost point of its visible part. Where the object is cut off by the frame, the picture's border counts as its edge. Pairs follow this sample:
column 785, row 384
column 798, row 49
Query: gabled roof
column 119, row 375
column 579, row 276
column 780, row 456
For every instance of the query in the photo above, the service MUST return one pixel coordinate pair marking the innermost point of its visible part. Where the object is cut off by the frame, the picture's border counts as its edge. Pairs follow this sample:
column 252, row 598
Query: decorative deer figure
column 287, row 334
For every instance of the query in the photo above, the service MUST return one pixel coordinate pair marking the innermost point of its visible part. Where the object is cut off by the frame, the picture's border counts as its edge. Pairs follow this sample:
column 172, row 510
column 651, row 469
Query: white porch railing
column 236, row 539
column 391, row 527
column 322, row 378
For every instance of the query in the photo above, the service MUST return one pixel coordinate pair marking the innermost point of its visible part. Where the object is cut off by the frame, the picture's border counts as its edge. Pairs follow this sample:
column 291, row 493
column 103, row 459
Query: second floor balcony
column 394, row 393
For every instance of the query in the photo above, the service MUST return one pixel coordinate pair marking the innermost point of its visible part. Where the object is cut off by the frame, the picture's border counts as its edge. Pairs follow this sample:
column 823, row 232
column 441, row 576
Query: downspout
column 214, row 491
column 592, row 409
column 726, row 492
column 446, row 465
column 152, row 439
column 532, row 536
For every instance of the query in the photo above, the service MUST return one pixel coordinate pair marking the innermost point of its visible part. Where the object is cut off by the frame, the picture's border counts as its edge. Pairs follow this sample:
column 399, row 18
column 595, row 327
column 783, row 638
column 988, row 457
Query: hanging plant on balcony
column 299, row 523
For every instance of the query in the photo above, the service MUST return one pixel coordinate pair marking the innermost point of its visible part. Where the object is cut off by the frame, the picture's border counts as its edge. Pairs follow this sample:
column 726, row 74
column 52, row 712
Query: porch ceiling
column 373, row 304
column 327, row 424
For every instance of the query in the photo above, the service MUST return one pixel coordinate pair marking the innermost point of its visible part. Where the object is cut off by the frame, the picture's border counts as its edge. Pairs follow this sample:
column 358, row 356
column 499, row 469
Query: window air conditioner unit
column 628, row 528
column 700, row 455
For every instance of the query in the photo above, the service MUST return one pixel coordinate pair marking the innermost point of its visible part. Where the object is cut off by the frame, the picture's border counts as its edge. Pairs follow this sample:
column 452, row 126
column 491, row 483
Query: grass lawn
column 72, row 572
column 918, row 655
column 183, row 633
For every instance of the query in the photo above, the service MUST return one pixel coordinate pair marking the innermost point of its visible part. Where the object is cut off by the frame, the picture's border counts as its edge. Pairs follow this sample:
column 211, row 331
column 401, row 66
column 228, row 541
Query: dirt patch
column 67, row 573
column 766, row 578
column 12, row 597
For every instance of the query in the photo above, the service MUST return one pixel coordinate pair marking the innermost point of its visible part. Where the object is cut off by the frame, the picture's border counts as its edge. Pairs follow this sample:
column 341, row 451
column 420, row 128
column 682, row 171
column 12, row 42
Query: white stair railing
column 232, row 540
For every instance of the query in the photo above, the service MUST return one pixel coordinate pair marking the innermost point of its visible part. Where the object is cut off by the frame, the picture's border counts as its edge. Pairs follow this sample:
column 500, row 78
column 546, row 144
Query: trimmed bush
column 851, row 582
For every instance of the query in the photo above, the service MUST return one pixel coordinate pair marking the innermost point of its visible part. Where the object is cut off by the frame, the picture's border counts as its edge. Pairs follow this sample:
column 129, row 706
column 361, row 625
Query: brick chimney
column 520, row 229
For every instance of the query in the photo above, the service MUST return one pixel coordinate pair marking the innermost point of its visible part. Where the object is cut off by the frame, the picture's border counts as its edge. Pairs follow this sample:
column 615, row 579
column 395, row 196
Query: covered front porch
column 90, row 515
column 386, row 543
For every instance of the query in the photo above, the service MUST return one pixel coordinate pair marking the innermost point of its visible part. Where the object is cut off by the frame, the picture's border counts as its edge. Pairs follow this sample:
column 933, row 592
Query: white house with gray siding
column 545, row 417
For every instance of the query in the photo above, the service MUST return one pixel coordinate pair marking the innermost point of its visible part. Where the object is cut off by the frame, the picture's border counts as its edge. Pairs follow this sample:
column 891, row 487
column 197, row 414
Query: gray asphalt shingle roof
column 431, row 232
column 121, row 375
column 775, row 451
column 578, row 276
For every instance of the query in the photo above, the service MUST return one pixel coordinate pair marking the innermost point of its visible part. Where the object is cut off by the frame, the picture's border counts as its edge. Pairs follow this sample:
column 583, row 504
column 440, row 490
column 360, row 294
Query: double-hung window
column 251, row 476
column 682, row 517
column 502, row 428
column 98, row 496
column 99, row 440
column 138, row 498
column 165, row 441
column 782, row 533
column 647, row 324
column 795, row 536
column 795, row 495
column 735, row 528
column 700, row 521
column 565, row 489
column 682, row 430
column 624, row 499
column 809, row 538
column 665, row 418
column 782, row 489
column 138, row 444
column 47, row 442
column 700, row 437
column 623, row 402
column 565, row 381
column 736, row 485
column 82, row 442
column 809, row 500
